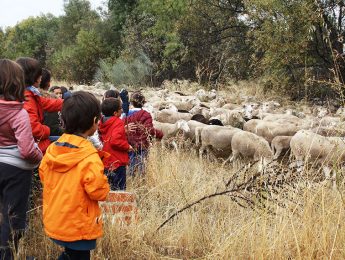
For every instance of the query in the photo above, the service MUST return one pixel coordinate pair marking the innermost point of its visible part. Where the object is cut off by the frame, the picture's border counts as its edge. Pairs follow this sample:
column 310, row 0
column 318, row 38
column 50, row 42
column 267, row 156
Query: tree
column 79, row 62
column 282, row 33
column 78, row 16
column 31, row 37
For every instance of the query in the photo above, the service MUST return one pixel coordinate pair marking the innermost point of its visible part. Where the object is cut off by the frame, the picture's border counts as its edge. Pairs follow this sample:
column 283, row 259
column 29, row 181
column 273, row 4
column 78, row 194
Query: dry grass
column 311, row 226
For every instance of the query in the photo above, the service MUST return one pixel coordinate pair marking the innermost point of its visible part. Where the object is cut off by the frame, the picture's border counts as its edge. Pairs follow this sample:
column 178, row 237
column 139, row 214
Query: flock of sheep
column 253, row 130
column 216, row 125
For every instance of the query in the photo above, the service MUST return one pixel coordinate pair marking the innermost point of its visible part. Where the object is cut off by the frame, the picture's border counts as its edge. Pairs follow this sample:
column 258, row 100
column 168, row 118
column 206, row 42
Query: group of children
column 74, row 174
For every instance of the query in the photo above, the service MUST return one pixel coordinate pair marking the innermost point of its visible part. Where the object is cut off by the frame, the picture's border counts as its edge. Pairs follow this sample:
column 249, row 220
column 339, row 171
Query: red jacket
column 35, row 105
column 140, row 138
column 112, row 134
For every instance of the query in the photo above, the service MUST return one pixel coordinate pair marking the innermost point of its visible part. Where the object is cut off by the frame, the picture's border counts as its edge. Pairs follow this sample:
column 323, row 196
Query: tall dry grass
column 309, row 226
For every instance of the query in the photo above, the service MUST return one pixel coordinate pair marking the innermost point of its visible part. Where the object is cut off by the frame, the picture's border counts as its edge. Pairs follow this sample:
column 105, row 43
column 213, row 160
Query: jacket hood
column 8, row 109
column 67, row 152
column 103, row 127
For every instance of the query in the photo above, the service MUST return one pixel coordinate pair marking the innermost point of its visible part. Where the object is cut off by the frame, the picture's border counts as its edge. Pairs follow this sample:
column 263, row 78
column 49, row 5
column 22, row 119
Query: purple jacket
column 17, row 146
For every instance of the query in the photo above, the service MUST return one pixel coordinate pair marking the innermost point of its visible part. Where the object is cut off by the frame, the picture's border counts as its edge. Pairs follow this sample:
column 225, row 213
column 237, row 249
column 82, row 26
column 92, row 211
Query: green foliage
column 78, row 43
column 296, row 47
column 118, row 13
column 153, row 30
column 2, row 39
column 31, row 37
column 80, row 61
column 78, row 16
column 129, row 71
column 217, row 42
column 282, row 40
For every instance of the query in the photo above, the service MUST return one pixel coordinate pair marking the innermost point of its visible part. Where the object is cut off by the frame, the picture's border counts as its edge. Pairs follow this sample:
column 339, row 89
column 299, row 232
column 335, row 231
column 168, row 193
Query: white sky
column 14, row 11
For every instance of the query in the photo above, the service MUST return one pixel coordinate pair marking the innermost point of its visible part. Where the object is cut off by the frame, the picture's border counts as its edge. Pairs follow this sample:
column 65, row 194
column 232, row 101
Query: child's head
column 137, row 99
column 11, row 80
column 80, row 113
column 32, row 71
column 45, row 80
column 57, row 91
column 111, row 93
column 111, row 107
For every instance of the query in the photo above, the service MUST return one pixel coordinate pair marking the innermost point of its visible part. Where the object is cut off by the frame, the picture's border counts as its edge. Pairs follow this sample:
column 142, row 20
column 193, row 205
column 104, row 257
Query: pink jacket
column 16, row 134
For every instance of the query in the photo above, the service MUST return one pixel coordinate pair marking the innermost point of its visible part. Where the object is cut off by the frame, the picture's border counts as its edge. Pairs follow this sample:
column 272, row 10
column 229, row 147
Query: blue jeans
column 137, row 162
column 117, row 178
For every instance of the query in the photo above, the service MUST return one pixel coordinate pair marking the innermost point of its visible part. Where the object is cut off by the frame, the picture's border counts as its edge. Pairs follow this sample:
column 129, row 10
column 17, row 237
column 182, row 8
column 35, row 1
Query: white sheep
column 215, row 138
column 170, row 130
column 169, row 116
column 192, row 126
column 280, row 143
column 269, row 130
column 250, row 145
column 228, row 117
column 307, row 146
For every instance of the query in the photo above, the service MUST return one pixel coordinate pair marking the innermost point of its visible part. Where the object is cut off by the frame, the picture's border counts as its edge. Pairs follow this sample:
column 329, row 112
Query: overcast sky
column 13, row 11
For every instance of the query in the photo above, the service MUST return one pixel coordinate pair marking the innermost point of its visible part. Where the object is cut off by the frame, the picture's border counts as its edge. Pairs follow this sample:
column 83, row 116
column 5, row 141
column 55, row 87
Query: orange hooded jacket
column 73, row 182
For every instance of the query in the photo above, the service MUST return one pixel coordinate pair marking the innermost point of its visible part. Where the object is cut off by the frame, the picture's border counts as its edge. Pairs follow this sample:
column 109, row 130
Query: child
column 19, row 155
column 73, row 181
column 111, row 93
column 56, row 91
column 139, row 139
column 35, row 104
column 51, row 119
column 113, row 135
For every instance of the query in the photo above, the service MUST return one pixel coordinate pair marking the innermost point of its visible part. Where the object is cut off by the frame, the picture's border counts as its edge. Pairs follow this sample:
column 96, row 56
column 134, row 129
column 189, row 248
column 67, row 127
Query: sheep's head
column 149, row 108
column 172, row 107
column 183, row 125
column 248, row 111
column 195, row 110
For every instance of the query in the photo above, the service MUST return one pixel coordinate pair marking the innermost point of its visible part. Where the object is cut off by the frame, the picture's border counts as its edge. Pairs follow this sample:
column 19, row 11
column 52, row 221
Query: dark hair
column 63, row 90
column 200, row 118
column 79, row 112
column 32, row 70
column 54, row 87
column 11, row 80
column 215, row 121
column 45, row 81
column 137, row 99
column 110, row 105
column 111, row 93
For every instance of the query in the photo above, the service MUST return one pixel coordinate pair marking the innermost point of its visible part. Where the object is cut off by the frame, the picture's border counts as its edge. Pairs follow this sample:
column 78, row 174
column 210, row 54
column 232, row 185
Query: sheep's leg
column 277, row 153
column 163, row 142
column 234, row 156
column 330, row 175
column 300, row 165
column 210, row 154
column 227, row 160
column 174, row 144
column 327, row 171
column 201, row 151
column 261, row 165
column 273, row 148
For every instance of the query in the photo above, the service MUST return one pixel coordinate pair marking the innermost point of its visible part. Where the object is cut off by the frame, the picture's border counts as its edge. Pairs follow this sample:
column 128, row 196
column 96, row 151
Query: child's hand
column 131, row 127
column 130, row 149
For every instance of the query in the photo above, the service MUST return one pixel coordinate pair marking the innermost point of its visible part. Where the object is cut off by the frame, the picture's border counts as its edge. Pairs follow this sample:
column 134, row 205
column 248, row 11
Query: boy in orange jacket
column 113, row 135
column 73, row 181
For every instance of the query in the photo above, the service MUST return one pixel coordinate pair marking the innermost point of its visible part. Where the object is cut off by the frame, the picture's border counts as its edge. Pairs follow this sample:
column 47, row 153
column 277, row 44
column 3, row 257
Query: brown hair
column 79, row 111
column 111, row 93
column 32, row 70
column 138, row 99
column 110, row 105
column 11, row 80
column 45, row 81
